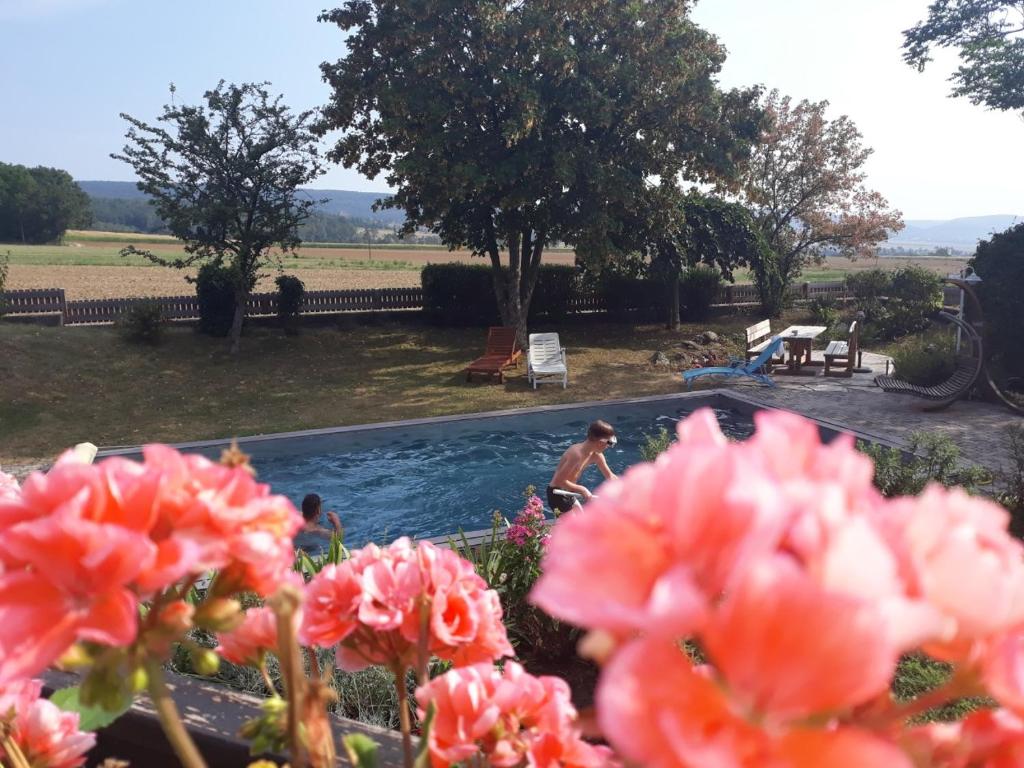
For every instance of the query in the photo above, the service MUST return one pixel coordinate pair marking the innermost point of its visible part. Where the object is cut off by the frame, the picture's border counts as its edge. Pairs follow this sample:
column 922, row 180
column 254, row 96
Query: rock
column 690, row 344
column 660, row 359
column 709, row 337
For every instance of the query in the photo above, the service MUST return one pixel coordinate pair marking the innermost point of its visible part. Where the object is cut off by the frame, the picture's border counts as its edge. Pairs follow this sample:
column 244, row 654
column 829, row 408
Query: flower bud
column 204, row 661
column 221, row 614
column 138, row 681
column 75, row 657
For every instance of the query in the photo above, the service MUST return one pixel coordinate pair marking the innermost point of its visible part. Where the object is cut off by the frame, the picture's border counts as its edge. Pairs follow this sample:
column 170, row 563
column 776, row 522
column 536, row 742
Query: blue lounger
column 751, row 370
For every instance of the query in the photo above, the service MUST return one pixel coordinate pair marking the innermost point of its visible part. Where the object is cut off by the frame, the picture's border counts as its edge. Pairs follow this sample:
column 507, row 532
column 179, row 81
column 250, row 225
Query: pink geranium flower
column 507, row 718
column 378, row 603
column 251, row 640
column 47, row 736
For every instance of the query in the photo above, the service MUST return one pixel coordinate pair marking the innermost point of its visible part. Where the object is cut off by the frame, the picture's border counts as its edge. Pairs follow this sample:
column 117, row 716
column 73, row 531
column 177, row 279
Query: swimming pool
column 435, row 476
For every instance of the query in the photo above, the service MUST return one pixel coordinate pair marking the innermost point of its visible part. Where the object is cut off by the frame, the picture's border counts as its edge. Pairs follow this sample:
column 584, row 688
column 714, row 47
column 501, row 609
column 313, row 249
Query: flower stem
column 285, row 605
column 403, row 714
column 271, row 689
column 170, row 720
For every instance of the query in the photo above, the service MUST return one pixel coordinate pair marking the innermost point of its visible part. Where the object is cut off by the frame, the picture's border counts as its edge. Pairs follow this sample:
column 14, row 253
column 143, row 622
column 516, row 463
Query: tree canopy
column 508, row 126
column 805, row 187
column 38, row 205
column 989, row 38
column 223, row 177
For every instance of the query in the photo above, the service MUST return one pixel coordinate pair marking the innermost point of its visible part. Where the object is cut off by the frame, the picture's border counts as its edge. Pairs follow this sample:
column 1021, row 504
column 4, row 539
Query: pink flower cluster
column 83, row 544
column 377, row 603
column 509, row 717
column 803, row 587
column 529, row 523
column 47, row 736
column 252, row 639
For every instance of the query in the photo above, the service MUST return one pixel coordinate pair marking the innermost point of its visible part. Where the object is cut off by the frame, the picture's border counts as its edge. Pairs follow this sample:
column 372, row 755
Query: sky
column 69, row 67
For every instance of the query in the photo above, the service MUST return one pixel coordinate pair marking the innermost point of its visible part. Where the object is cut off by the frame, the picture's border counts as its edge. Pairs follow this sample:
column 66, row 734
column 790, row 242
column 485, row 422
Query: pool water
column 434, row 479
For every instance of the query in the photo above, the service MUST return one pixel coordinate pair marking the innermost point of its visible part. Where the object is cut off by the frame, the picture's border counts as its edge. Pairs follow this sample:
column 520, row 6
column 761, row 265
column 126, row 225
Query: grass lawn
column 65, row 385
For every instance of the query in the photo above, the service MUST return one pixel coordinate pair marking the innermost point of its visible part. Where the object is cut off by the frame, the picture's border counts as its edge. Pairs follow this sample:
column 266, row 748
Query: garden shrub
column 655, row 445
column 291, row 293
column 557, row 286
column 999, row 262
column 142, row 323
column 698, row 288
column 926, row 360
column 896, row 303
column 824, row 312
column 215, row 289
column 630, row 299
column 936, row 459
column 1011, row 494
column 459, row 294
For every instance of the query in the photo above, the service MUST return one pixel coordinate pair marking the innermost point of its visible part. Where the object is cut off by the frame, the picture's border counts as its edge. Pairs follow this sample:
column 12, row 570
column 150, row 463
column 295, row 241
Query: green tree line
column 37, row 205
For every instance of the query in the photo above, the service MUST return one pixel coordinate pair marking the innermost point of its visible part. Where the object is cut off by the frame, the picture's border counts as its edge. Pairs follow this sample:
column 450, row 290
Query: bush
column 630, row 299
column 999, row 263
column 1012, row 493
column 142, row 323
column 698, row 288
column 215, row 289
column 655, row 445
column 291, row 293
column 896, row 303
column 926, row 360
column 936, row 459
column 824, row 312
column 459, row 294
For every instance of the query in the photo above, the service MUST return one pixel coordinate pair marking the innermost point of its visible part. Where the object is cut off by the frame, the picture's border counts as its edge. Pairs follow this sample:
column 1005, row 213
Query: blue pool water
column 433, row 479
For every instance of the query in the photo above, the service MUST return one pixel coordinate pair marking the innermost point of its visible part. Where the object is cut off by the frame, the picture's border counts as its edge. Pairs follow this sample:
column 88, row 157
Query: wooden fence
column 51, row 301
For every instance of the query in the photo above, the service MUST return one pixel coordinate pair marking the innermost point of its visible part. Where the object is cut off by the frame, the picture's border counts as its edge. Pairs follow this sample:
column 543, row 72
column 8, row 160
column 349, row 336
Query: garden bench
column 759, row 336
column 843, row 351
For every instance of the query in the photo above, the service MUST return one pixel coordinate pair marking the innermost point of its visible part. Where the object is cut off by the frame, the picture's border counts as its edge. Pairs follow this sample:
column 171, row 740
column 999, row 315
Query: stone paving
column 979, row 428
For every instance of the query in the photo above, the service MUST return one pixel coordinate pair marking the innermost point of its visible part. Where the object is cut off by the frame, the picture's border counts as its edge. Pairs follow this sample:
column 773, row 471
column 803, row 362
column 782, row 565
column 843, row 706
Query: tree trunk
column 673, row 302
column 241, row 299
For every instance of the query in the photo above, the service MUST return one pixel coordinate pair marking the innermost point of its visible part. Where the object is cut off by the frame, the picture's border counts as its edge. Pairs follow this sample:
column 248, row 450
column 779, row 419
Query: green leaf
column 362, row 750
column 90, row 718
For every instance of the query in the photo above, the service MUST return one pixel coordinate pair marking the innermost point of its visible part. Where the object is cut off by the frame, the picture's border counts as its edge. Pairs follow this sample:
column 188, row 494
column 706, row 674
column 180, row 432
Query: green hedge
column 463, row 294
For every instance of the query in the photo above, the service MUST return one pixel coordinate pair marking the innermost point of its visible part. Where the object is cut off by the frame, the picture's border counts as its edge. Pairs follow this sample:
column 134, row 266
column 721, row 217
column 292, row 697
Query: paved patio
column 979, row 428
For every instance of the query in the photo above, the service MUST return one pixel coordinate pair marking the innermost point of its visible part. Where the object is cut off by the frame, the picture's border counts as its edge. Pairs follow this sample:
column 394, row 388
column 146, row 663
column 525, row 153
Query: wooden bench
column 759, row 336
column 843, row 352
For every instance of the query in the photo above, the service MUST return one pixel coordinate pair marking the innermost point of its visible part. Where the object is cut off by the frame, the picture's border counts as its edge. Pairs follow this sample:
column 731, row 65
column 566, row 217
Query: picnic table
column 798, row 340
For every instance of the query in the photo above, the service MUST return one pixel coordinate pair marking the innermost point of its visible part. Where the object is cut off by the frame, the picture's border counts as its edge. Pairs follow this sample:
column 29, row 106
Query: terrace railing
column 50, row 301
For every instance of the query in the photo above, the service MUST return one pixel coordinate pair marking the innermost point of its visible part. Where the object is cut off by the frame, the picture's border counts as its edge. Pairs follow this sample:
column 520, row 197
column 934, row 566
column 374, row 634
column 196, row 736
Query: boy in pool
column 600, row 435
column 313, row 535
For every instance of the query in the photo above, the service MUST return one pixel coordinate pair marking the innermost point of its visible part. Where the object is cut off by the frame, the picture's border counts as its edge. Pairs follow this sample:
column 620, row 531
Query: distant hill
column 340, row 202
column 952, row 233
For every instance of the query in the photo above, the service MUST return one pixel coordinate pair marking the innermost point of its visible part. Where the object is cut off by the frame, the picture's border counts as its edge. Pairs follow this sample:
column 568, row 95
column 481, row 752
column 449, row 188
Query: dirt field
column 92, row 268
column 83, row 282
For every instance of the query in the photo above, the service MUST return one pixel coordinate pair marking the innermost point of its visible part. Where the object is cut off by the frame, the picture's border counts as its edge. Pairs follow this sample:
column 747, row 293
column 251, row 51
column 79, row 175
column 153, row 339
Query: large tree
column 223, row 176
column 675, row 231
column 506, row 126
column 38, row 205
column 989, row 36
column 805, row 187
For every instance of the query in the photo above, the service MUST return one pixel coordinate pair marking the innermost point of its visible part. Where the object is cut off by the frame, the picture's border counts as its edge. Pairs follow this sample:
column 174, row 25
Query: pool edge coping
column 751, row 404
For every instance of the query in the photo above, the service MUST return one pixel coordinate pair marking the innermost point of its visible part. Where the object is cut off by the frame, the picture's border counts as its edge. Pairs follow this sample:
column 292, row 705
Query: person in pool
column 314, row 535
column 600, row 435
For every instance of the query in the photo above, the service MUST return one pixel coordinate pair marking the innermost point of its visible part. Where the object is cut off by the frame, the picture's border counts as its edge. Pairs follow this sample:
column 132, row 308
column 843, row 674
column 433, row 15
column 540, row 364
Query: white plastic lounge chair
column 546, row 360
column 753, row 369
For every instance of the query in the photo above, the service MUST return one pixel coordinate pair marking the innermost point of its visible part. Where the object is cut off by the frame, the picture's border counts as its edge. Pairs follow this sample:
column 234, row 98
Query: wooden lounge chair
column 753, row 370
column 958, row 385
column 545, row 360
column 844, row 352
column 759, row 336
column 502, row 352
